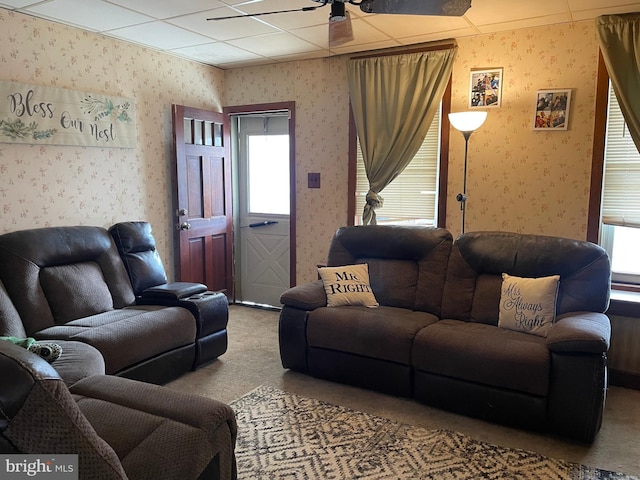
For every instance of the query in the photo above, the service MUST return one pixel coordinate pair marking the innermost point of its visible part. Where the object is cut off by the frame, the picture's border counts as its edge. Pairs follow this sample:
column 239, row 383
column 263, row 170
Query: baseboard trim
column 620, row 378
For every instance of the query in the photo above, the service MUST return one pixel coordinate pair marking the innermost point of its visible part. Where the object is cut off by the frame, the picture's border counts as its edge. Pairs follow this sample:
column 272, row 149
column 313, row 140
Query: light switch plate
column 313, row 180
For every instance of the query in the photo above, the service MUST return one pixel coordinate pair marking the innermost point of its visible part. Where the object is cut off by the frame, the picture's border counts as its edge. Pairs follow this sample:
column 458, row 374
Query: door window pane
column 268, row 163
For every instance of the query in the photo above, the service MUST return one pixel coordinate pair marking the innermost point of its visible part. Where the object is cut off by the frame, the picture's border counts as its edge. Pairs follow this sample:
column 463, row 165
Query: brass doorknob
column 185, row 226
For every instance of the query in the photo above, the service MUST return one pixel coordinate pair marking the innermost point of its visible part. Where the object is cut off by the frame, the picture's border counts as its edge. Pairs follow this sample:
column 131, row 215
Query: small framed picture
column 486, row 88
column 552, row 109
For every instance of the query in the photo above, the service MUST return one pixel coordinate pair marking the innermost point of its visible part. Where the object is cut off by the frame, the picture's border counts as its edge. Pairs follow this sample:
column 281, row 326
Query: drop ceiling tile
column 433, row 37
column 273, row 45
column 223, row 29
column 304, row 56
column 250, row 63
column 578, row 5
column 363, row 48
column 159, row 35
column 363, row 33
column 502, row 11
column 525, row 23
column 318, row 35
column 16, row 3
column 93, row 15
column 168, row 8
column 216, row 53
column 296, row 19
column 594, row 13
column 400, row 26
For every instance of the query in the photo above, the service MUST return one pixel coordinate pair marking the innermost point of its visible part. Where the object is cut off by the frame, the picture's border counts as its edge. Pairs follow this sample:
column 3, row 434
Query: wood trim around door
column 272, row 107
column 597, row 162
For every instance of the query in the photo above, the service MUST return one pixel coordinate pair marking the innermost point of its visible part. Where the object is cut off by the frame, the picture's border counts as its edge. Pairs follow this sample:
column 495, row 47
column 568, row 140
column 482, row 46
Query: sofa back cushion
column 407, row 264
column 55, row 274
column 478, row 260
column 137, row 247
column 10, row 321
column 75, row 291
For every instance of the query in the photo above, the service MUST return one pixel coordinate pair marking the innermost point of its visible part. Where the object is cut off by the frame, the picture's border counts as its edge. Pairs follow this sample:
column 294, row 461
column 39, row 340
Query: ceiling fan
column 340, row 30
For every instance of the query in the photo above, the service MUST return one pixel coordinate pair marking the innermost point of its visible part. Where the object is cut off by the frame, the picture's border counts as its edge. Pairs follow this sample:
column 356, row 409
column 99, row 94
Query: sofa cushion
column 384, row 333
column 128, row 336
column 10, row 322
column 484, row 354
column 347, row 285
column 528, row 304
column 78, row 360
column 476, row 257
column 26, row 253
column 137, row 247
column 407, row 264
column 75, row 291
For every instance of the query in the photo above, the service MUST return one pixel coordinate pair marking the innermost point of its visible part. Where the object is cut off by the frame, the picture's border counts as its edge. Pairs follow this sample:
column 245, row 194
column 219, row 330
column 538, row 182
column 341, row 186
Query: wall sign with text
column 40, row 115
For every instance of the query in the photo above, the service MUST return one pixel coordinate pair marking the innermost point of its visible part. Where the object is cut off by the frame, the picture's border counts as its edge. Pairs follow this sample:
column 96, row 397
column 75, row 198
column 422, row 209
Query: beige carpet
column 253, row 359
column 287, row 436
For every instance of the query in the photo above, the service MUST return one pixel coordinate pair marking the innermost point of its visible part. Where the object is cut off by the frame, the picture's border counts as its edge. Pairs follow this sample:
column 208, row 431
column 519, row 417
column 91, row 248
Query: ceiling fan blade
column 340, row 32
column 303, row 9
column 452, row 8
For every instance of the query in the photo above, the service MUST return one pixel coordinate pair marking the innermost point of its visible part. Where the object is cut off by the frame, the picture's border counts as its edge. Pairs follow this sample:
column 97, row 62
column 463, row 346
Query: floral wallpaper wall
column 319, row 88
column 62, row 185
column 518, row 179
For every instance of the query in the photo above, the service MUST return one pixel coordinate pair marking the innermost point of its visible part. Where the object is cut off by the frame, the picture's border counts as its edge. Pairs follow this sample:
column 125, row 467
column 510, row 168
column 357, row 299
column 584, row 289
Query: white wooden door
column 263, row 260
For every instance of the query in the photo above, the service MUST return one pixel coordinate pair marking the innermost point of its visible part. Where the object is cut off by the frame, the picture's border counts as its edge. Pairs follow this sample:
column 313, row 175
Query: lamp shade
column 467, row 121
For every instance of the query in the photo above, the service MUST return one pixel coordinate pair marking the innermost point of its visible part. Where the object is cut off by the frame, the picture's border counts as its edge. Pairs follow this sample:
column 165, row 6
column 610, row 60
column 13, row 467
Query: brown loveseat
column 435, row 335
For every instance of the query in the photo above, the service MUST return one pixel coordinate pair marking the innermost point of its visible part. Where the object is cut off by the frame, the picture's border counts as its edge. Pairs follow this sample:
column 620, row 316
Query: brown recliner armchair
column 119, row 428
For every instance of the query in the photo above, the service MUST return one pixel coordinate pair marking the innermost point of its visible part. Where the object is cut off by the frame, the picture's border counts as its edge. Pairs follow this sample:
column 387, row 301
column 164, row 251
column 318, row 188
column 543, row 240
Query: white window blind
column 412, row 197
column 621, row 188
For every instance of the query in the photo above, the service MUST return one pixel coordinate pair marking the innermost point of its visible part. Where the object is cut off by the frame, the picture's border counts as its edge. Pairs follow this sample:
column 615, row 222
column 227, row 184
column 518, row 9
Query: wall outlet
column 313, row 180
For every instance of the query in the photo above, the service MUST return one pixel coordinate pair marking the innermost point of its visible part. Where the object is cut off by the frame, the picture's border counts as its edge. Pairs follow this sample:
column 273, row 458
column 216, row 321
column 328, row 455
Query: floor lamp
column 467, row 123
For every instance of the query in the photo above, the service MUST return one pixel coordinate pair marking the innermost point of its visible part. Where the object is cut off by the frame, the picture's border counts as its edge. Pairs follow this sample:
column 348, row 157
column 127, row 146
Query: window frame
column 443, row 167
column 597, row 173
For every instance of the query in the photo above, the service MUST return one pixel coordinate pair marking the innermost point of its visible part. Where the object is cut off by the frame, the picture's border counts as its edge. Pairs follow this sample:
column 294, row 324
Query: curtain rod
column 388, row 53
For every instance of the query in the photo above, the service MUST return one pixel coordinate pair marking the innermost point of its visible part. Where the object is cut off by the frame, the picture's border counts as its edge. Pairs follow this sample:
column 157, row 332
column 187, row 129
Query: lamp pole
column 466, row 123
column 462, row 197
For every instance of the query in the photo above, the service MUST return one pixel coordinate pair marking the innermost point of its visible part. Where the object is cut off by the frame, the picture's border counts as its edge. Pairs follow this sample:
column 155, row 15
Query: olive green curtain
column 619, row 38
column 394, row 99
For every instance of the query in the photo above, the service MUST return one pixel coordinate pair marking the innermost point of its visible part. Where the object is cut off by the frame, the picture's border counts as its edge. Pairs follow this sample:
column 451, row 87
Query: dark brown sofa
column 435, row 335
column 70, row 284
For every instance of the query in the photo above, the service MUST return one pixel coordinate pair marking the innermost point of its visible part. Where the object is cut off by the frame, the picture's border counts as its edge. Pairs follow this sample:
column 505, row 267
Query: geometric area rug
column 287, row 436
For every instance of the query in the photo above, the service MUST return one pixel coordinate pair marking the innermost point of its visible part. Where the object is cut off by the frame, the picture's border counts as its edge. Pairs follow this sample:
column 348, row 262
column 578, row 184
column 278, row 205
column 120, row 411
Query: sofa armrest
column 176, row 434
column 308, row 296
column 585, row 332
column 174, row 290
